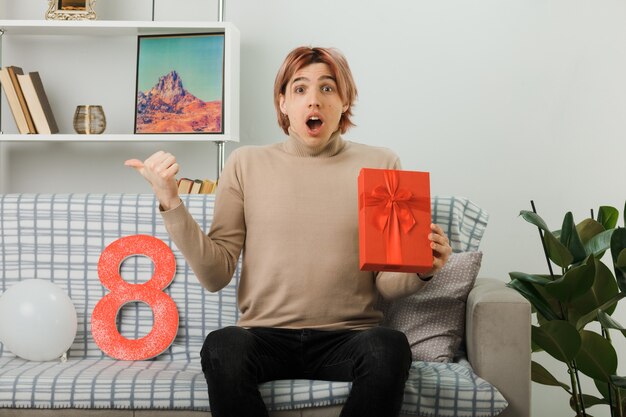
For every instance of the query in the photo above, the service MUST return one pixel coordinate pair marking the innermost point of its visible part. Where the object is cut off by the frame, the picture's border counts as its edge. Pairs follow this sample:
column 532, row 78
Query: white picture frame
column 71, row 10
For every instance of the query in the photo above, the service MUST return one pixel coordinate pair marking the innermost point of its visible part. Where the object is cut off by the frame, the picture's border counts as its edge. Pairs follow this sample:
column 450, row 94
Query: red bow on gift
column 393, row 213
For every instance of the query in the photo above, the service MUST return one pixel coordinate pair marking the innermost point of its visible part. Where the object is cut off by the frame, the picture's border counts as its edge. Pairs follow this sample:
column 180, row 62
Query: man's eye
column 298, row 89
column 328, row 89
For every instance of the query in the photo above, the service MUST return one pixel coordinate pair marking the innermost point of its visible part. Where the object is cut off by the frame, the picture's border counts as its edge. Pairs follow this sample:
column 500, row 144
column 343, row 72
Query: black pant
column 235, row 360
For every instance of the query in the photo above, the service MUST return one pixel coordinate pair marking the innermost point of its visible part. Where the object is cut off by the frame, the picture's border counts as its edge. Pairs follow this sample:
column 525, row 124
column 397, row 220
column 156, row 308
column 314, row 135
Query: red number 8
column 165, row 326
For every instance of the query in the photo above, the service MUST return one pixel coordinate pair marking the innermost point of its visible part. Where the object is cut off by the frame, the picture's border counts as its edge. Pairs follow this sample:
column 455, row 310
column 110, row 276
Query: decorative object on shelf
column 89, row 120
column 38, row 320
column 71, row 10
column 180, row 83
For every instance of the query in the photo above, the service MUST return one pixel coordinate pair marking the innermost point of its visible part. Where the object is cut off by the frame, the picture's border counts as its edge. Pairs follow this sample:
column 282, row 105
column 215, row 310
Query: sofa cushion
column 433, row 389
column 461, row 220
column 433, row 319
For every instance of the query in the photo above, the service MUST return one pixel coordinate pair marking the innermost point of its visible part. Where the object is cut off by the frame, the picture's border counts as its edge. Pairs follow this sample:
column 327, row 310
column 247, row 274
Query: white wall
column 503, row 101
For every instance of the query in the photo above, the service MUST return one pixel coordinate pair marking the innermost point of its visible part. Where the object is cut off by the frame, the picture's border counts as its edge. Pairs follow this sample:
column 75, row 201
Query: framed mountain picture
column 180, row 84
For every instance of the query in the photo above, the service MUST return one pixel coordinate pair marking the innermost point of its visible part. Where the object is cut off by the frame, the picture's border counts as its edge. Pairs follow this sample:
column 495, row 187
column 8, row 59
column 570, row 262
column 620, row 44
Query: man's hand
column 160, row 171
column 441, row 250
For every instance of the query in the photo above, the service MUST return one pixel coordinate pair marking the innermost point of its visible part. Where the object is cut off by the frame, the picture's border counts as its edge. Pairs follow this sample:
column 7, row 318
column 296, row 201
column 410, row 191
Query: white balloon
column 37, row 320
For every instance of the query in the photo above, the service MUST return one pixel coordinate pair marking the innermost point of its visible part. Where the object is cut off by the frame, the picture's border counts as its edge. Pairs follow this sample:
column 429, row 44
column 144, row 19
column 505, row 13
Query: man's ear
column 345, row 108
column 281, row 102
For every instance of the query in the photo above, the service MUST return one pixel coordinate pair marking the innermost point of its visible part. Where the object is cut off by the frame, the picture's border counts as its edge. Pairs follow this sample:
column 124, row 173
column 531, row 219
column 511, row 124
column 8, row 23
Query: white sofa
column 60, row 237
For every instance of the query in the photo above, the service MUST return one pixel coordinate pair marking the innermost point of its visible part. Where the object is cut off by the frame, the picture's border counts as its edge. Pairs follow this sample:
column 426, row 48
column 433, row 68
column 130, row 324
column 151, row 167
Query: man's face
column 313, row 105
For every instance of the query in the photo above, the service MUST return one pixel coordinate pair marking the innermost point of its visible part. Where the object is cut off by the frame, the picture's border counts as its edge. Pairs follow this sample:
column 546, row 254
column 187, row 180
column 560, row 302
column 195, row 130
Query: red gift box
column 394, row 221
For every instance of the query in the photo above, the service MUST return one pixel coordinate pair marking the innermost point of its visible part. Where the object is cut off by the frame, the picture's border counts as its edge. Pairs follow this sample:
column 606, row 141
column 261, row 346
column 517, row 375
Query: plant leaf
column 555, row 305
column 609, row 322
column 575, row 283
column 557, row 252
column 532, row 295
column 589, row 401
column 559, row 338
column 589, row 228
column 603, row 289
column 621, row 259
column 535, row 219
column 608, row 216
column 570, row 238
column 536, row 279
column 596, row 357
column 541, row 375
column 603, row 388
column 593, row 315
column 618, row 381
column 599, row 244
column 618, row 244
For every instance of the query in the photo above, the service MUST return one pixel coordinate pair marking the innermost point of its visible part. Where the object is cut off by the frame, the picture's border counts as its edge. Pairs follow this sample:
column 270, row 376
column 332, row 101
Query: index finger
column 437, row 229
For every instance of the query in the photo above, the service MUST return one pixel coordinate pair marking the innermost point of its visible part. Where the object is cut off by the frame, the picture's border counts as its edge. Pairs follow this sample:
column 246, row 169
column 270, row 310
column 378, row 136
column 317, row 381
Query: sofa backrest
column 59, row 237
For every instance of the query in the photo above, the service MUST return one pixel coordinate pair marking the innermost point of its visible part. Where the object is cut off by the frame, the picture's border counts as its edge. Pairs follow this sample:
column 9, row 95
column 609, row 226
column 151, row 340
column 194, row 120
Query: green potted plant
column 582, row 290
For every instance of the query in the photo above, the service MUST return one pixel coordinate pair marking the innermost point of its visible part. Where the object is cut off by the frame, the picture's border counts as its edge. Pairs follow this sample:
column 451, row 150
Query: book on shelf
column 184, row 185
column 14, row 99
column 38, row 104
column 197, row 186
column 13, row 73
column 208, row 187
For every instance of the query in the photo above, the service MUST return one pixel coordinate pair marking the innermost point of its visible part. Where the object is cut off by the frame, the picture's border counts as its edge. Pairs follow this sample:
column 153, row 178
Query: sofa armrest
column 498, row 341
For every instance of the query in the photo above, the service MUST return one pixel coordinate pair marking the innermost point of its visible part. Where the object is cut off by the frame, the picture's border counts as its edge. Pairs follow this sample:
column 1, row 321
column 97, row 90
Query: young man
column 307, row 311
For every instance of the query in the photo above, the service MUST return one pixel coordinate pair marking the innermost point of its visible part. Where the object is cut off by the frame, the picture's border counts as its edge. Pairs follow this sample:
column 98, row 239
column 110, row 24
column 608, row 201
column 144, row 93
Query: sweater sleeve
column 213, row 257
column 393, row 285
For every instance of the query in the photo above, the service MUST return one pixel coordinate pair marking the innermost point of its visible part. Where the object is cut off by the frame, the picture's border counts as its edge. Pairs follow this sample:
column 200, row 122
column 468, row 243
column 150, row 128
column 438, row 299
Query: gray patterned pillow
column 433, row 319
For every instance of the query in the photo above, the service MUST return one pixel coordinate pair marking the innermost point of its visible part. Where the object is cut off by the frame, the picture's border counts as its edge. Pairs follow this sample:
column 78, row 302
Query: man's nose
column 314, row 99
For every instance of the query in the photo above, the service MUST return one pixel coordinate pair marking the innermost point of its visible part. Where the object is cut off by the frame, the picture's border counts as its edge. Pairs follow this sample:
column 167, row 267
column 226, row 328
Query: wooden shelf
column 64, row 137
column 107, row 27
